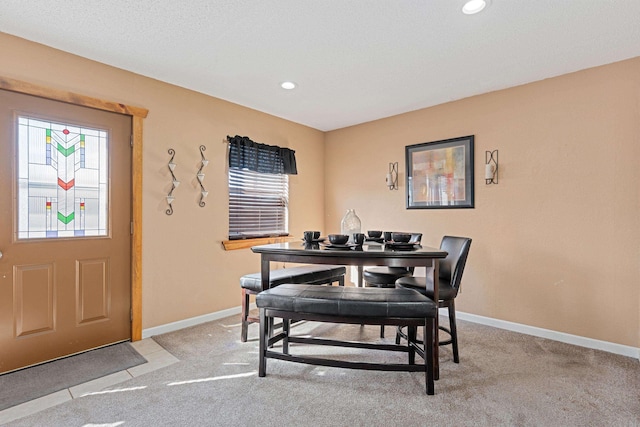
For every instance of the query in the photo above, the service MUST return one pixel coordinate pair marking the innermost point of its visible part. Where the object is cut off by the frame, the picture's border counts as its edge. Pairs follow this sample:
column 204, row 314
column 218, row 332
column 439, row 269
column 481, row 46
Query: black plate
column 339, row 247
column 400, row 246
column 375, row 239
column 322, row 239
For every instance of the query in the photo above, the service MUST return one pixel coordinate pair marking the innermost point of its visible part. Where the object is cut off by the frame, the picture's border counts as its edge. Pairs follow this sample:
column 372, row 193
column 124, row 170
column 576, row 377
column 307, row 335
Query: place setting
column 374, row 236
column 312, row 237
column 342, row 242
column 400, row 242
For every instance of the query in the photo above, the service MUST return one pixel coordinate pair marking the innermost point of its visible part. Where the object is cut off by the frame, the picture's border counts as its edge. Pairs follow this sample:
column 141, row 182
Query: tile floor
column 157, row 357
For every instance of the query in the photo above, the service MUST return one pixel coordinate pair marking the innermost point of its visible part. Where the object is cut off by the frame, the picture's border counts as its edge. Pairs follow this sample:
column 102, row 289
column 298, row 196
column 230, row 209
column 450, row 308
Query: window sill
column 231, row 245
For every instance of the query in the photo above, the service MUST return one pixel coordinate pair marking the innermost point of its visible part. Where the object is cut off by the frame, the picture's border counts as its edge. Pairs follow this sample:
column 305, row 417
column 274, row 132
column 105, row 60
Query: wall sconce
column 200, row 175
column 491, row 167
column 392, row 176
column 174, row 182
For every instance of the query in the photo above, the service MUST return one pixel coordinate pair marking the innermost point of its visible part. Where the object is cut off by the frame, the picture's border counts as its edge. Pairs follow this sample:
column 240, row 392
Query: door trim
column 137, row 114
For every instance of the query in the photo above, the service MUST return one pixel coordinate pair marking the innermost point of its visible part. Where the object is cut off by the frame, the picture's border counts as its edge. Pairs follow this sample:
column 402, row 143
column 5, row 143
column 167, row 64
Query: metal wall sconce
column 174, row 182
column 200, row 175
column 491, row 167
column 392, row 176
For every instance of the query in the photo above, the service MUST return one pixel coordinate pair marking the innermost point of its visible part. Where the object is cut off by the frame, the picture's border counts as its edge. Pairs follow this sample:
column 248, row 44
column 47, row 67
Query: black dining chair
column 450, row 269
column 385, row 277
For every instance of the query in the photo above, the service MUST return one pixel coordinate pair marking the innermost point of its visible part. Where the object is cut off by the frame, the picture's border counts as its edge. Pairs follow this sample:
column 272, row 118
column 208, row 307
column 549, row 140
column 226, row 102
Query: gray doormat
column 31, row 383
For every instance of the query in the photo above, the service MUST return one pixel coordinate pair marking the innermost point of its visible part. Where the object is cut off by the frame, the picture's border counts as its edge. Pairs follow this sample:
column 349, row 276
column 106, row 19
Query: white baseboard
column 193, row 321
column 609, row 347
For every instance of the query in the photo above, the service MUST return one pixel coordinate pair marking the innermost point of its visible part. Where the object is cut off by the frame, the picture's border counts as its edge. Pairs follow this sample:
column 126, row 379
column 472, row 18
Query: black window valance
column 247, row 154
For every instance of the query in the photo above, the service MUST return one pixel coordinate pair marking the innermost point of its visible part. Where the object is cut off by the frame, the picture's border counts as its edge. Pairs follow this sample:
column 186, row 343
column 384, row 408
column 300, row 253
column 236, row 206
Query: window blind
column 258, row 204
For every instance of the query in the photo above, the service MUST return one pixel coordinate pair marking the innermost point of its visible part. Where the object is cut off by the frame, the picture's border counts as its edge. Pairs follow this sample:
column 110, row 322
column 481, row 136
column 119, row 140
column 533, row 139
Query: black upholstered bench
column 368, row 306
column 309, row 274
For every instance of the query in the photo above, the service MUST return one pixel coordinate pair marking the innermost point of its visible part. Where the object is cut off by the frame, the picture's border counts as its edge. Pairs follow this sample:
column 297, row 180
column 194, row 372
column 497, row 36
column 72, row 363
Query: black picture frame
column 440, row 174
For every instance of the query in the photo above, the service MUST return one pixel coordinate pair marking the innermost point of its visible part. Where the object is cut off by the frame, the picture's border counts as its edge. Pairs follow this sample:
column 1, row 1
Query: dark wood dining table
column 369, row 254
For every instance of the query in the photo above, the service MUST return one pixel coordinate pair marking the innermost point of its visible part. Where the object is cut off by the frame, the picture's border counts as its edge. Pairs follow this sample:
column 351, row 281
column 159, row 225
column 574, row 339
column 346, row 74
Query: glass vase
column 350, row 224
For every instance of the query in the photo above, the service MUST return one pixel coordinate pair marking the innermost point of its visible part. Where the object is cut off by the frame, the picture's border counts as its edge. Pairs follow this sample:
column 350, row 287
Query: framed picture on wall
column 440, row 174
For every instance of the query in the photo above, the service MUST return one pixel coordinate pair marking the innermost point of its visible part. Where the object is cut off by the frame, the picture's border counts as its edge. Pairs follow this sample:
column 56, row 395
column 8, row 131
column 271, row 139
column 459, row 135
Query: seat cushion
column 347, row 301
column 424, row 285
column 299, row 274
column 384, row 276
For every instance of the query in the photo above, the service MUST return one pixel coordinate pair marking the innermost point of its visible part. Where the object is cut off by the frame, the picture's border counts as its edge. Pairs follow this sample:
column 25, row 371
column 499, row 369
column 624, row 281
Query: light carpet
column 503, row 379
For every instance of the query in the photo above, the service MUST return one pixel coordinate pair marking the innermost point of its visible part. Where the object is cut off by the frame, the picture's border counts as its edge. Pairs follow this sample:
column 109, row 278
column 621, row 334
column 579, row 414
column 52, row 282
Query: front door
column 65, row 229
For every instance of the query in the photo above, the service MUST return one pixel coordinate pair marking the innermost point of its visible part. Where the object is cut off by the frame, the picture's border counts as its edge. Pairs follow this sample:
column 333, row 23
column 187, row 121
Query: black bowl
column 401, row 237
column 338, row 239
column 374, row 234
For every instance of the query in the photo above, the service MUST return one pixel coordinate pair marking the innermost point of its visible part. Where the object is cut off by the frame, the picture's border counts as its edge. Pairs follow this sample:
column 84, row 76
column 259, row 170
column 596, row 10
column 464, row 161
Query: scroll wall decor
column 200, row 175
column 174, row 182
column 392, row 176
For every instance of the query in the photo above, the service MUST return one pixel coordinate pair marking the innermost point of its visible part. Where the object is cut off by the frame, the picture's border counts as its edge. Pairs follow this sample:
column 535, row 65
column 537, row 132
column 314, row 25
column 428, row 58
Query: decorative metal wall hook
column 392, row 176
column 174, row 182
column 491, row 167
column 200, row 175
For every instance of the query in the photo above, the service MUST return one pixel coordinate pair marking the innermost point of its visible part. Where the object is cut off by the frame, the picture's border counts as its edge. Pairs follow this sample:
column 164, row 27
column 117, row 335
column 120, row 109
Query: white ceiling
column 354, row 60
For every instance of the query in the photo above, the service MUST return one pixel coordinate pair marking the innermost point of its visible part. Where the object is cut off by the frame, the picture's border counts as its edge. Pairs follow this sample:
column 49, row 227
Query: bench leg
column 412, row 332
column 262, row 364
column 270, row 328
column 245, row 315
column 429, row 360
column 286, row 325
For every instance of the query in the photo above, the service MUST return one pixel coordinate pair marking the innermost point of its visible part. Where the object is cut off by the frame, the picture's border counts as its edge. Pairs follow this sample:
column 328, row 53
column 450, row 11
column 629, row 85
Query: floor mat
column 30, row 383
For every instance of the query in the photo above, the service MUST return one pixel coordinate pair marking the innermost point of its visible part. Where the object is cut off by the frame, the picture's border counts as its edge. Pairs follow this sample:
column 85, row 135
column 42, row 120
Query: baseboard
column 193, row 321
column 609, row 347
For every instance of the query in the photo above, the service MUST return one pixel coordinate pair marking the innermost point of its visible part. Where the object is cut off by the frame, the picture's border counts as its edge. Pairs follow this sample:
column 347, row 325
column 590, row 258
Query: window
column 63, row 182
column 258, row 204
column 258, row 188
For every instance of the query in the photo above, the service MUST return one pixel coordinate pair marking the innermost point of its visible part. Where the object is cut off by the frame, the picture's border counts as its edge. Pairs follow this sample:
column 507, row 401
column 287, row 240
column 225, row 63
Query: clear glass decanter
column 350, row 224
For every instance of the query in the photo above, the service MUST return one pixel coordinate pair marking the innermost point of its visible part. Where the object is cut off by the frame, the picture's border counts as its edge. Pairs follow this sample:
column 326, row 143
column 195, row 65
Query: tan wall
column 186, row 272
column 556, row 244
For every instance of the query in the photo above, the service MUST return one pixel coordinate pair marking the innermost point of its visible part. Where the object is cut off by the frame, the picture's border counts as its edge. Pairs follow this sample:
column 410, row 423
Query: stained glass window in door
column 62, row 180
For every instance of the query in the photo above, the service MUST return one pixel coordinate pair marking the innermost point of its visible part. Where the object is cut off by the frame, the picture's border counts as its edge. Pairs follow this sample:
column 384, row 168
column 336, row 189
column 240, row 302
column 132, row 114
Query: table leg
column 436, row 340
column 264, row 272
column 360, row 273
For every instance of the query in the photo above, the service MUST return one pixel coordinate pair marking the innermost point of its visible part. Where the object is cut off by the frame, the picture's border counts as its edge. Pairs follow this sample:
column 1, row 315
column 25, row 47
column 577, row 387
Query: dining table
column 360, row 256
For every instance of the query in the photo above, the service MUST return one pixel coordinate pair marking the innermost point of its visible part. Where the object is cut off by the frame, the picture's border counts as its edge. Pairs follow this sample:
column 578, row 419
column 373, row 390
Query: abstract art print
column 440, row 174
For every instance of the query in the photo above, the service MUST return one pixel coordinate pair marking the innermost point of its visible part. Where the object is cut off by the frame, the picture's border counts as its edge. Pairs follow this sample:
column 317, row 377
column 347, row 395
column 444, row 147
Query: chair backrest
column 452, row 266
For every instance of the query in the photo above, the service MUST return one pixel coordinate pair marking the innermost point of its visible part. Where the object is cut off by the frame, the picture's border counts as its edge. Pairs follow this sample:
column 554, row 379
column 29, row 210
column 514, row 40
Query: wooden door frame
column 137, row 114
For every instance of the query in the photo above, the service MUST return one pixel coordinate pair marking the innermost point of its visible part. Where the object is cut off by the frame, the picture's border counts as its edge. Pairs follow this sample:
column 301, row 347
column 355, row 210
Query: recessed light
column 288, row 85
column 474, row 6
